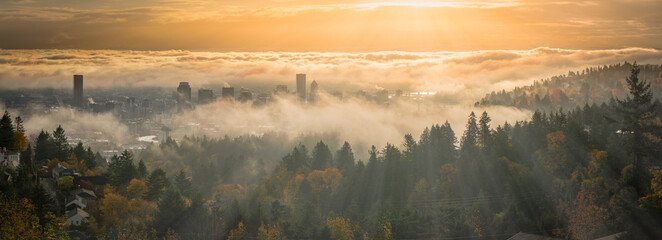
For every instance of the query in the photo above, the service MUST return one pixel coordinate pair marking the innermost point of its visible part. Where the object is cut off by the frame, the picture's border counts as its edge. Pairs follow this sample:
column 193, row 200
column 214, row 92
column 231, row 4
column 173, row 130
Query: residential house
column 10, row 159
column 95, row 183
column 77, row 217
column 84, row 193
column 61, row 171
column 74, row 202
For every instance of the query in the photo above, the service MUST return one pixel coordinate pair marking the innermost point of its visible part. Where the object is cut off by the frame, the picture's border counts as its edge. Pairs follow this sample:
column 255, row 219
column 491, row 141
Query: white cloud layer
column 456, row 76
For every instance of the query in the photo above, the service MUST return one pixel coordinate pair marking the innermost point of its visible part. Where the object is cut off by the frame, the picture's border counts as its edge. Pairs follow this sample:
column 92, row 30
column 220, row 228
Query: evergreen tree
column 183, row 183
column 45, row 148
column 142, row 169
column 6, row 132
column 484, row 134
column 321, row 156
column 27, row 171
column 170, row 210
column 19, row 124
column 345, row 157
column 121, row 169
column 469, row 141
column 90, row 160
column 156, row 184
column 639, row 126
column 80, row 152
column 61, row 145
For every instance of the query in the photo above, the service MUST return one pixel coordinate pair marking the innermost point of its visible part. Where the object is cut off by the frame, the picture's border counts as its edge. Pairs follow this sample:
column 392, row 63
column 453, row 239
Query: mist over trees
column 593, row 85
column 581, row 173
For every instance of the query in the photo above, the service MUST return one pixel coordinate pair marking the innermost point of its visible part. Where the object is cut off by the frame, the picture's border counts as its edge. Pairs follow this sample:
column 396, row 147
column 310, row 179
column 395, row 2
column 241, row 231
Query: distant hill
column 591, row 85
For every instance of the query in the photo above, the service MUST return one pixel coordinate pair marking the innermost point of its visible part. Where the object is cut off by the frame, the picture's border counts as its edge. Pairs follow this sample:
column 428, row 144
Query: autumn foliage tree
column 136, row 188
column 586, row 219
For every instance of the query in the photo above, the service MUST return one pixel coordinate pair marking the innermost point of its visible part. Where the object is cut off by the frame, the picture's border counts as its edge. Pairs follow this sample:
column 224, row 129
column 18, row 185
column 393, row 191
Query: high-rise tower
column 301, row 86
column 227, row 92
column 78, row 91
column 184, row 92
column 312, row 96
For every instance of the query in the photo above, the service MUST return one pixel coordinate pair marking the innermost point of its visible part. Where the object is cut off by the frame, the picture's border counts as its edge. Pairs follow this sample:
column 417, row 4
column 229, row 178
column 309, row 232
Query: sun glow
column 469, row 4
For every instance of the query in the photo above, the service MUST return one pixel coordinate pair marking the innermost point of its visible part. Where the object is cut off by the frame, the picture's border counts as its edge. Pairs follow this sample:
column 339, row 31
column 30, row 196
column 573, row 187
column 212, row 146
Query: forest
column 586, row 171
column 593, row 85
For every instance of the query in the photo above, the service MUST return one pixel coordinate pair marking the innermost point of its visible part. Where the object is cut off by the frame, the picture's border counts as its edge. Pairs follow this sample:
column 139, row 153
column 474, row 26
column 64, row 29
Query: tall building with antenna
column 78, row 91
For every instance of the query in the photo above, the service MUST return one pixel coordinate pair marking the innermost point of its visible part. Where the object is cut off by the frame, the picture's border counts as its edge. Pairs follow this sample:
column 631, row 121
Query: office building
column 227, row 92
column 78, row 91
column 301, row 86
column 206, row 96
column 281, row 89
column 245, row 95
column 312, row 96
column 184, row 92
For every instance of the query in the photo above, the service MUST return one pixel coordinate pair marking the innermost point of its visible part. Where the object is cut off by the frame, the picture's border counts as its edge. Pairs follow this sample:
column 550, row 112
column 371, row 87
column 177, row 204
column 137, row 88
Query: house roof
column 59, row 168
column 76, row 200
column 527, row 236
column 83, row 192
column 78, row 211
column 96, row 180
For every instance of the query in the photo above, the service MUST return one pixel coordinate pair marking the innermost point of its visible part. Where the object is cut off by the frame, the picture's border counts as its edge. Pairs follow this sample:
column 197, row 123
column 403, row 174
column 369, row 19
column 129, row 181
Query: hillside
column 591, row 85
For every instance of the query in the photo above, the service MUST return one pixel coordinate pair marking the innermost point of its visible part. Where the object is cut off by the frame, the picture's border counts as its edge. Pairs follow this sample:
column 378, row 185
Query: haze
column 330, row 25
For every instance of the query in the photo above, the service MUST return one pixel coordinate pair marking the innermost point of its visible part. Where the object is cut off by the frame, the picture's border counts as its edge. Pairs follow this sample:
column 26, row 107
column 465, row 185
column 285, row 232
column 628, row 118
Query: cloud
column 463, row 76
column 338, row 26
column 359, row 122
column 80, row 124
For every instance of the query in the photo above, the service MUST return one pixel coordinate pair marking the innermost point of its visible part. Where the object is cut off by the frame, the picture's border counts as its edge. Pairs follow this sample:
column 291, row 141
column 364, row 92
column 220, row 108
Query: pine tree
column 639, row 126
column 45, row 148
column 6, row 132
column 61, row 145
column 171, row 208
column 321, row 156
column 156, row 184
column 121, row 169
column 484, row 134
column 469, row 141
column 90, row 160
column 345, row 157
column 183, row 183
column 19, row 124
column 142, row 169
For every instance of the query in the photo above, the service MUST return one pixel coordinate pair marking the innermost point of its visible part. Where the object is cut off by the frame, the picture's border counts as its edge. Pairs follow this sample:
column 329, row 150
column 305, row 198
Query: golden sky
column 330, row 26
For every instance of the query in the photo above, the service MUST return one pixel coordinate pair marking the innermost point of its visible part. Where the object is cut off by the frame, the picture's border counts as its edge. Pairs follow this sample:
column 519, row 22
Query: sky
column 329, row 25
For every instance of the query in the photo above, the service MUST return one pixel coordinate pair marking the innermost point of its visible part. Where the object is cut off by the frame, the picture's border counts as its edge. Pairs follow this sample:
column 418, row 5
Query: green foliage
column 565, row 174
column 321, row 156
column 345, row 157
column 121, row 169
column 61, row 144
column 156, row 184
column 45, row 147
column 65, row 183
column 593, row 85
column 170, row 210
column 6, row 132
column 183, row 184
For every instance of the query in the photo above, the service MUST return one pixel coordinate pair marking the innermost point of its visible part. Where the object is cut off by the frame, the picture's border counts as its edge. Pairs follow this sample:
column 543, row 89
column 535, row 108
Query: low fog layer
column 105, row 126
column 455, row 76
column 359, row 122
